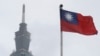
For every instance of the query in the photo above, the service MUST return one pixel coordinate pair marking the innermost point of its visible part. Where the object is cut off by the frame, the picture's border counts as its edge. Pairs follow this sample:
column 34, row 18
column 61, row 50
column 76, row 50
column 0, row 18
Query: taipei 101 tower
column 22, row 39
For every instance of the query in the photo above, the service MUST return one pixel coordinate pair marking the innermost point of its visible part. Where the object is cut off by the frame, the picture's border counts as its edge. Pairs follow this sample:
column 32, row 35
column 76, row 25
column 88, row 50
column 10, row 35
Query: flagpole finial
column 61, row 5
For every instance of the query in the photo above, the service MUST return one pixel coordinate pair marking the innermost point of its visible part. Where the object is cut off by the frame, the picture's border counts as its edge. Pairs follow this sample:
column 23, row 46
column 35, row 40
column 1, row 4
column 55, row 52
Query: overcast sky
column 42, row 17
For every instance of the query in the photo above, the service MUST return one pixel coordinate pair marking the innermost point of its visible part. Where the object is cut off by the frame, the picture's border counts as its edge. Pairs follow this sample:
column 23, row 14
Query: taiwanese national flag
column 75, row 22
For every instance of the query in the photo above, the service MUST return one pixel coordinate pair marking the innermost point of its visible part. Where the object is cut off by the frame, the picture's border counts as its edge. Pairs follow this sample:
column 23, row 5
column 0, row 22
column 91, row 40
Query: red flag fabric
column 75, row 22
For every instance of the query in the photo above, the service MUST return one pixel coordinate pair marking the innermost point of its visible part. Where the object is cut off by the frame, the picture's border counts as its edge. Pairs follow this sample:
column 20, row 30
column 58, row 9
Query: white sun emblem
column 68, row 16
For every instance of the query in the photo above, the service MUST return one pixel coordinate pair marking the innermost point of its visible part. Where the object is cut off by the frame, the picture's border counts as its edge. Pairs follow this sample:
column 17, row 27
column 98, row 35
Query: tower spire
column 23, row 14
column 22, row 38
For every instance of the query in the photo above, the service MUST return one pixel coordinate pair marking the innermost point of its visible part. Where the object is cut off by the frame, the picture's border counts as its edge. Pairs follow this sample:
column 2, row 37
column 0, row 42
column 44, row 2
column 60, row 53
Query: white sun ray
column 68, row 16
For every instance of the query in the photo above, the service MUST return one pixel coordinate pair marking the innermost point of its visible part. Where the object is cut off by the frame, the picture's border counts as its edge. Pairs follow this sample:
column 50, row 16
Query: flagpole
column 61, row 34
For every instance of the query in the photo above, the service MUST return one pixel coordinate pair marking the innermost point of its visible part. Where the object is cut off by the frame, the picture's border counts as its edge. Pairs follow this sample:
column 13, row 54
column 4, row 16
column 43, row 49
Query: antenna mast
column 23, row 14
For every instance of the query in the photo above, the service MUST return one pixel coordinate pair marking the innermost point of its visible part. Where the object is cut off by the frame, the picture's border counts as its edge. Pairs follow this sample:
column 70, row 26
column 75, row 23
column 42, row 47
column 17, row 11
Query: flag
column 75, row 22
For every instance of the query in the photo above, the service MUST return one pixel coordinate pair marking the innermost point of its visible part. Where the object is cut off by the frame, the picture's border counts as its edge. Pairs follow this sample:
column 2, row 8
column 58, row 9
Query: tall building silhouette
column 22, row 39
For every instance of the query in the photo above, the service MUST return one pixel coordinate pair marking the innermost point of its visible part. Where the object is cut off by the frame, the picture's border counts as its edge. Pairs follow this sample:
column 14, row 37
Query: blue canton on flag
column 68, row 16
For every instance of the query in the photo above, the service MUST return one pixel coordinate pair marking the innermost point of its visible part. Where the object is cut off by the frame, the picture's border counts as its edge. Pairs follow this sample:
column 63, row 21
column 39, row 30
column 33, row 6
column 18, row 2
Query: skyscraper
column 22, row 39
